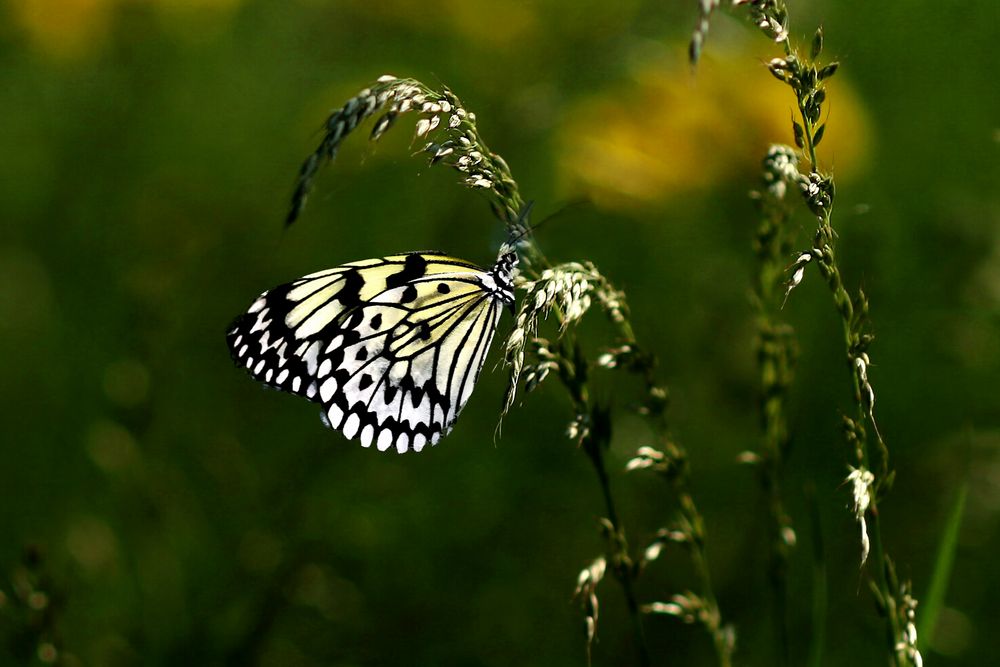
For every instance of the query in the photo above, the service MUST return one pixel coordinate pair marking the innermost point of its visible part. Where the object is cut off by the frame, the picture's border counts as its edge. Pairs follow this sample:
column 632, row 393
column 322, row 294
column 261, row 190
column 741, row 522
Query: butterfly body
column 390, row 347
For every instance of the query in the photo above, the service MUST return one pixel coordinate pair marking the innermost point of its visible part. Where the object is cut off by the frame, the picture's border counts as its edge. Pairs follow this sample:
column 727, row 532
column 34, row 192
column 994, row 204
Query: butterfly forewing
column 390, row 347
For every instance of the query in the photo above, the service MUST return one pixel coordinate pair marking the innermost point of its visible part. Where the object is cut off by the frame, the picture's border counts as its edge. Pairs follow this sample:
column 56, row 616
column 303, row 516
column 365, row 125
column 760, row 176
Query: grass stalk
column 776, row 354
column 622, row 563
column 943, row 565
column 873, row 476
column 671, row 461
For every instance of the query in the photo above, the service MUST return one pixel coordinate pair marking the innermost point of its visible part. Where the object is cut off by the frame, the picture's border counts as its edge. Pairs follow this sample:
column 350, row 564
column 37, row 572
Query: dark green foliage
column 186, row 516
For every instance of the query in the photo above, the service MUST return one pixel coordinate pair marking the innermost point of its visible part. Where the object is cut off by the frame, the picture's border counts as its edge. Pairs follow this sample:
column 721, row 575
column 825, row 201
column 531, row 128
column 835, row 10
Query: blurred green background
column 174, row 512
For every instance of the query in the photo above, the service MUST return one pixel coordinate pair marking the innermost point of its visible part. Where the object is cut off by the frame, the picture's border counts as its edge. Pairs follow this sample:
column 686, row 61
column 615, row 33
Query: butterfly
column 390, row 347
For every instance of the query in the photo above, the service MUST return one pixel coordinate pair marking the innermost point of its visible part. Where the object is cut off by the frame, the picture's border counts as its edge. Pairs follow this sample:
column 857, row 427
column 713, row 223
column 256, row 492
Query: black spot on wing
column 342, row 376
column 443, row 288
column 416, row 396
column 350, row 293
column 354, row 319
column 409, row 294
column 377, row 322
column 362, row 354
column 365, row 382
column 436, row 396
column 414, row 266
column 336, row 357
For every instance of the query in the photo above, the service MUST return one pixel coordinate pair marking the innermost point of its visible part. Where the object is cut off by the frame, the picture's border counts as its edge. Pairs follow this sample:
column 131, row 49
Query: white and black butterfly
column 390, row 347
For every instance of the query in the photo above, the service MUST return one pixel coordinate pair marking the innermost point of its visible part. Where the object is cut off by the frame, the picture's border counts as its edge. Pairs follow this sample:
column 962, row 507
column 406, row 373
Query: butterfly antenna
column 523, row 227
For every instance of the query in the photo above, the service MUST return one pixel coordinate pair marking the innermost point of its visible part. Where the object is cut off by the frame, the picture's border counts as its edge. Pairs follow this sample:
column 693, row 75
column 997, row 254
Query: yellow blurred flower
column 671, row 131
column 64, row 28
column 68, row 29
column 484, row 21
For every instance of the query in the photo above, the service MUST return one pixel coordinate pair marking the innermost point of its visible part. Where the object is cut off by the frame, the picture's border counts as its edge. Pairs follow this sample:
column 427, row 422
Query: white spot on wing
column 367, row 435
column 282, row 376
column 385, row 410
column 420, row 414
column 336, row 416
column 328, row 389
column 403, row 443
column 418, row 442
column 384, row 440
column 337, row 341
column 260, row 324
column 351, row 426
column 422, row 367
column 398, row 372
column 310, row 357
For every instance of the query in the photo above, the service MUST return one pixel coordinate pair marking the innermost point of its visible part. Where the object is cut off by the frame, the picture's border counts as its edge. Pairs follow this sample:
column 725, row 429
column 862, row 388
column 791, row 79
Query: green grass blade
column 943, row 564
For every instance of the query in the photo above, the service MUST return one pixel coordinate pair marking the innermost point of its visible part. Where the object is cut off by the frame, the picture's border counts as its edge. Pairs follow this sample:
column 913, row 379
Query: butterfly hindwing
column 390, row 347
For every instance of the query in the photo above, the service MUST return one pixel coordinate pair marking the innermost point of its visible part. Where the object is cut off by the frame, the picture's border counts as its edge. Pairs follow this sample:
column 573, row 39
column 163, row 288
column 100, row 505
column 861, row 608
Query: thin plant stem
column 623, row 566
column 573, row 374
column 654, row 410
column 776, row 352
column 806, row 78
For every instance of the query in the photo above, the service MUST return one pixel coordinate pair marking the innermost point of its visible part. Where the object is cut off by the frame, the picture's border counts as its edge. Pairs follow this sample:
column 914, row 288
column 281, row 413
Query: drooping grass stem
column 622, row 563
